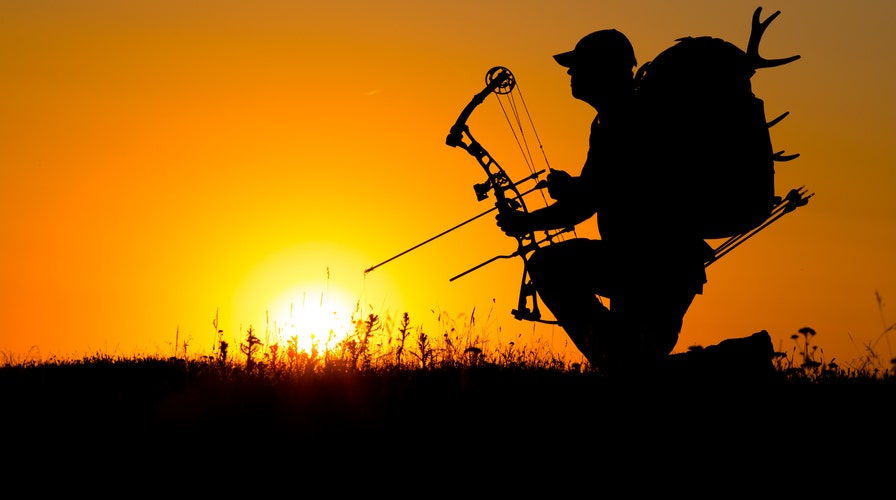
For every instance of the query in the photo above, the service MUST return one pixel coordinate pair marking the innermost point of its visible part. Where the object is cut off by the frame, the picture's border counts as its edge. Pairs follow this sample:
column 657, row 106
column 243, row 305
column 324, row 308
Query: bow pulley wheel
column 501, row 73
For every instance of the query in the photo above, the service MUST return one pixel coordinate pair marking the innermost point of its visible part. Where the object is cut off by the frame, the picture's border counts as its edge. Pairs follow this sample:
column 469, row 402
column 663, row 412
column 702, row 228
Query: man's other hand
column 560, row 184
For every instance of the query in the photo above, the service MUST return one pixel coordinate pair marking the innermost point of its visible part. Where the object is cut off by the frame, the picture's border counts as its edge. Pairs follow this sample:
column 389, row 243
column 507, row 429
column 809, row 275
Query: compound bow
column 508, row 197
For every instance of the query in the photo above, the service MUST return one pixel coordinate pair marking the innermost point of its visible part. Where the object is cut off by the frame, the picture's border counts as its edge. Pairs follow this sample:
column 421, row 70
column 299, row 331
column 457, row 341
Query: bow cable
column 519, row 134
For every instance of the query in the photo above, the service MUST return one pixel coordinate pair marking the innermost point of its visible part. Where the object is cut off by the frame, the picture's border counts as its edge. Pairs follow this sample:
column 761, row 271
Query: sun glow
column 307, row 296
column 311, row 319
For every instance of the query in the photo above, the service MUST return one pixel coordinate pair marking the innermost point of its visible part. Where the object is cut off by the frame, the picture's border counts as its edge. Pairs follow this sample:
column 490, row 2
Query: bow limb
column 498, row 79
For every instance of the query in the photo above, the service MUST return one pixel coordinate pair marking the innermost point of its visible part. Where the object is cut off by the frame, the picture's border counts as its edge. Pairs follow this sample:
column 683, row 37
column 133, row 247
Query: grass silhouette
column 389, row 391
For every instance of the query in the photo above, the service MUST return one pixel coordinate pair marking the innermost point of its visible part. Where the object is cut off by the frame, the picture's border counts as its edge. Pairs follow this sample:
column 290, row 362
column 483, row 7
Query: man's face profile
column 590, row 82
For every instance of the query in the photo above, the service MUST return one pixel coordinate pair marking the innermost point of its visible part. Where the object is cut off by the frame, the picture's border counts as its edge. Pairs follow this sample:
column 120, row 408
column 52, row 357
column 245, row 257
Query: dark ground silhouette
column 194, row 426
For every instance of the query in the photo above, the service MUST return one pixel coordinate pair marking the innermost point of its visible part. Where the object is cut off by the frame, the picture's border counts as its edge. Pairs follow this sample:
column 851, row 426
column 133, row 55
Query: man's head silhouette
column 601, row 68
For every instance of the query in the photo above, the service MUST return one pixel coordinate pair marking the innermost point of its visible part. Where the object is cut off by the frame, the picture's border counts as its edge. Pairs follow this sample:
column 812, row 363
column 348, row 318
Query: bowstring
column 519, row 135
column 534, row 130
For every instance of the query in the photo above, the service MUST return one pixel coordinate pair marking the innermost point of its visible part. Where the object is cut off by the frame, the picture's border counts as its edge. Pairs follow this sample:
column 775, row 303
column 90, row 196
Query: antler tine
column 756, row 33
column 780, row 157
column 778, row 119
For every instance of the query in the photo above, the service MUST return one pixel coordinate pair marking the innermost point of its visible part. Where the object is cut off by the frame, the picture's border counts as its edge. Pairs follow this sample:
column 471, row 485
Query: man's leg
column 569, row 276
column 649, row 320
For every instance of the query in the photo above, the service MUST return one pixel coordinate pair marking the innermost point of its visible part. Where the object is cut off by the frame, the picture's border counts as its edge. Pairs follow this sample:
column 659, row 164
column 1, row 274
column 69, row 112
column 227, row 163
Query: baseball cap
column 603, row 47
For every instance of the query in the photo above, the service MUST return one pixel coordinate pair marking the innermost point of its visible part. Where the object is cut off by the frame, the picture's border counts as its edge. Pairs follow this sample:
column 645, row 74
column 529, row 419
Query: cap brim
column 565, row 59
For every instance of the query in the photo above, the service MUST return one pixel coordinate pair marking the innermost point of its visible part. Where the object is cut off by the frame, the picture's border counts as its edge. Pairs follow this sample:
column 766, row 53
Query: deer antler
column 753, row 45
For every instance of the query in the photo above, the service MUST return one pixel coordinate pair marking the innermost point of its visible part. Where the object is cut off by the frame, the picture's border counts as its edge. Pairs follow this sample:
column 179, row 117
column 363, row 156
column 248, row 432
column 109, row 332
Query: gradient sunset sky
column 166, row 161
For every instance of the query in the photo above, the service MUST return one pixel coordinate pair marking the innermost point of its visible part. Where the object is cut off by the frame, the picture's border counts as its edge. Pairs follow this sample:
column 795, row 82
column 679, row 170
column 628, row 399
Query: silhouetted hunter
column 648, row 264
column 679, row 153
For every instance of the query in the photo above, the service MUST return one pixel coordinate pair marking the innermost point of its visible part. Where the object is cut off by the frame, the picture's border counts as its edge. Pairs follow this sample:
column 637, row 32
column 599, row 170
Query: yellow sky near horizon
column 162, row 161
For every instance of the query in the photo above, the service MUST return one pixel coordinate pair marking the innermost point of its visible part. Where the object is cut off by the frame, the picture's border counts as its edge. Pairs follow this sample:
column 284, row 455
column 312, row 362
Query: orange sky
column 162, row 161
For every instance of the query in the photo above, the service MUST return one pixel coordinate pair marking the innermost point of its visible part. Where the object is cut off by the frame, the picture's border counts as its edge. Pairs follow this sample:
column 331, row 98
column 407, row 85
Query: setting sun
column 311, row 318
column 308, row 294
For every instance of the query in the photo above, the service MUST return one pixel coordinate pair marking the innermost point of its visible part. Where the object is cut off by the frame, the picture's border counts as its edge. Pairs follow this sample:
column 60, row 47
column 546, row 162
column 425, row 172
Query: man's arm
column 562, row 214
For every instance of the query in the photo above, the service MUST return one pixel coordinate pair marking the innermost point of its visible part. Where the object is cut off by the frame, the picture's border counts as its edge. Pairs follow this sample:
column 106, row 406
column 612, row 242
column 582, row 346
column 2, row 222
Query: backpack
column 706, row 134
